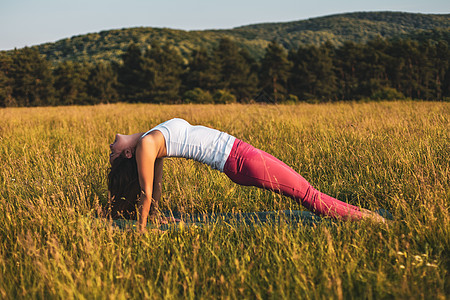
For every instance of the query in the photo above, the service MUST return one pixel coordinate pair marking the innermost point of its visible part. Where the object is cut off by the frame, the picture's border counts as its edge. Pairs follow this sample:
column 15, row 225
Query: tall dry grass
column 393, row 155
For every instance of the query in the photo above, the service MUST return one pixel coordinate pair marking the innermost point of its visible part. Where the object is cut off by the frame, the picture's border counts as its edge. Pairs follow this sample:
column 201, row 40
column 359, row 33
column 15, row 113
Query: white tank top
column 203, row 144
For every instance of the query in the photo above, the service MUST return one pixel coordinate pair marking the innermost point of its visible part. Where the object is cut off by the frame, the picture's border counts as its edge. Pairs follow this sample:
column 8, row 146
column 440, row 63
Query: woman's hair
column 124, row 188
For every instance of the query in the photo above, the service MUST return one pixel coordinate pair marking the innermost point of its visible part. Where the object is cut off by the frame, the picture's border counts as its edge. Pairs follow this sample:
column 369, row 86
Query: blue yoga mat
column 251, row 219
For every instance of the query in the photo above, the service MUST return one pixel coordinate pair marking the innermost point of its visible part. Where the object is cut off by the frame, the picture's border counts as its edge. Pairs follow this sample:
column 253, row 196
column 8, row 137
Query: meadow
column 392, row 155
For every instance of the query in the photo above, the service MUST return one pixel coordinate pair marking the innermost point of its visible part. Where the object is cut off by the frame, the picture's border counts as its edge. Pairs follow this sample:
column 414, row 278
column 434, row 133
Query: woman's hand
column 151, row 230
column 167, row 220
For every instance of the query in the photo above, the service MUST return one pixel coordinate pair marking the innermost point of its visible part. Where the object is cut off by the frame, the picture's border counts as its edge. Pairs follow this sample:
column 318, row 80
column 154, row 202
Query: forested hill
column 357, row 27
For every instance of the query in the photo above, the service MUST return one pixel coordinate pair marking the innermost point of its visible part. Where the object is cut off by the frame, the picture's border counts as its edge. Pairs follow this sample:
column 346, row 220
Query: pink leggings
column 249, row 166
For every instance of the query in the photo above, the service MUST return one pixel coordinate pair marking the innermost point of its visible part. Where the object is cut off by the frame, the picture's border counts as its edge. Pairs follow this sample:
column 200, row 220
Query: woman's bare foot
column 370, row 215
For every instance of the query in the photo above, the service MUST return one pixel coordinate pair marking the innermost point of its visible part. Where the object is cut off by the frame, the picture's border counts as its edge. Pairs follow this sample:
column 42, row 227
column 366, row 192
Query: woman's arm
column 157, row 184
column 157, row 190
column 146, row 156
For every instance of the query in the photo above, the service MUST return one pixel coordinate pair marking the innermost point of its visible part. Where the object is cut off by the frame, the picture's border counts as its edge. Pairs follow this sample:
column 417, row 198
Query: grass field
column 391, row 155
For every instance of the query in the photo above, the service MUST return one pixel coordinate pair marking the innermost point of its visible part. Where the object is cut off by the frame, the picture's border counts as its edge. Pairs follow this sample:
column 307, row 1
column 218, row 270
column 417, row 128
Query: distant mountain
column 357, row 27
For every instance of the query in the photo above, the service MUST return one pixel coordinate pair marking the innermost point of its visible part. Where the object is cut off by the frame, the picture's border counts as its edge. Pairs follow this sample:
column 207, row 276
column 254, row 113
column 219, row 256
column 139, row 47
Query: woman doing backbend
column 136, row 170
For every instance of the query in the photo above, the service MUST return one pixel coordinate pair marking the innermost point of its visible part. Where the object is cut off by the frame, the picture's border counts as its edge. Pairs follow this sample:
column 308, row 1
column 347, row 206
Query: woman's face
column 117, row 147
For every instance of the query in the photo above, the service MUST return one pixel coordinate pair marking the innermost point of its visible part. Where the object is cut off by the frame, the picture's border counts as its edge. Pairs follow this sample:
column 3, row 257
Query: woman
column 136, row 170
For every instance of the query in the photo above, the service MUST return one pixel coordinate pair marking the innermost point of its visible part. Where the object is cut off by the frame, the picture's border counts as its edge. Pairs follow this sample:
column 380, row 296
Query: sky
column 32, row 22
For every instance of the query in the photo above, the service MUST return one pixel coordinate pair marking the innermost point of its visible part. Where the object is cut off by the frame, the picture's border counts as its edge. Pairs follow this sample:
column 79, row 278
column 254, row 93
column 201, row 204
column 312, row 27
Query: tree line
column 379, row 69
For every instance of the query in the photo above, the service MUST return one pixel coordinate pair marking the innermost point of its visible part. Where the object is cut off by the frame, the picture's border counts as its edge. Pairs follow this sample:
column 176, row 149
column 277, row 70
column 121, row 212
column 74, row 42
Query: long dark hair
column 124, row 188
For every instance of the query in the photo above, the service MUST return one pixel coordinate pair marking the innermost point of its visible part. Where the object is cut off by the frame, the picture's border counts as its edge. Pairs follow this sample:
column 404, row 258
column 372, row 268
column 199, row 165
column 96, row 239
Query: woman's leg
column 249, row 166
